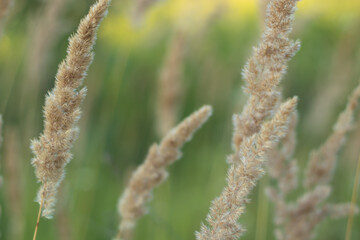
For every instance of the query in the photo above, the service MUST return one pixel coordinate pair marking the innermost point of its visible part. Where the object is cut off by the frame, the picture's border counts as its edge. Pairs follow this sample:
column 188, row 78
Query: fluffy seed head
column 153, row 171
column 62, row 109
column 245, row 170
column 265, row 69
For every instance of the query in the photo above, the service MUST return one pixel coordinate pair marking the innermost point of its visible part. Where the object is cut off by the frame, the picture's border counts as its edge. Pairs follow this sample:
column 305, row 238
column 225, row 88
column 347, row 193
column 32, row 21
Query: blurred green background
column 118, row 122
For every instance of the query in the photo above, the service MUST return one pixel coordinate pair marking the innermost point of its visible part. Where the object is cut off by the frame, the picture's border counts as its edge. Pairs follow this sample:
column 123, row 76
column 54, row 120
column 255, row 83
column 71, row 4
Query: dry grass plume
column 253, row 137
column 244, row 172
column 298, row 220
column 153, row 171
column 322, row 161
column 265, row 69
column 62, row 109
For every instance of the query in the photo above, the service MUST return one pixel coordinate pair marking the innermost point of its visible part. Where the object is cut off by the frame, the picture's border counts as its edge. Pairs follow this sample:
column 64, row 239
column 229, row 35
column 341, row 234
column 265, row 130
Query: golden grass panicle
column 265, row 69
column 62, row 109
column 252, row 137
column 243, row 174
column 169, row 86
column 153, row 171
column 263, row 8
column 322, row 161
column 297, row 221
column 281, row 166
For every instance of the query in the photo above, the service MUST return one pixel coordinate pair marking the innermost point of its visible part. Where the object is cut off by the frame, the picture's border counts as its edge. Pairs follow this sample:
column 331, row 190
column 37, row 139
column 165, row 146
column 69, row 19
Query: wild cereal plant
column 153, row 171
column 253, row 137
column 264, row 70
column 62, row 110
column 242, row 176
column 299, row 220
column 264, row 133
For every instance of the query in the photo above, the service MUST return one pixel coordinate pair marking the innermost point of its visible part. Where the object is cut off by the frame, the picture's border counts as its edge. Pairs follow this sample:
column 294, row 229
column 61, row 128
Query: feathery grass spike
column 242, row 176
column 153, row 171
column 264, row 70
column 62, row 109
column 281, row 166
column 322, row 161
column 297, row 221
column 253, row 137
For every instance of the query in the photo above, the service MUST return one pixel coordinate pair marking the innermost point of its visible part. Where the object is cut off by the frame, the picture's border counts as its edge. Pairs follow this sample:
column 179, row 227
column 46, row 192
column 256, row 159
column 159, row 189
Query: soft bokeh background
column 118, row 122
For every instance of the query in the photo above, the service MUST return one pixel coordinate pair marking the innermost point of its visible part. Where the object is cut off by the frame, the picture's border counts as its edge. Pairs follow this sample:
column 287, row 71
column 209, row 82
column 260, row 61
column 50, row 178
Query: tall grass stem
column 353, row 201
column 38, row 218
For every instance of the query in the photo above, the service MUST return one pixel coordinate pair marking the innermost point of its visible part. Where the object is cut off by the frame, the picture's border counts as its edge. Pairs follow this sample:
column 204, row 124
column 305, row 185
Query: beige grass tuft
column 298, row 221
column 243, row 174
column 153, row 171
column 253, row 137
column 322, row 161
column 62, row 109
column 265, row 69
column 281, row 166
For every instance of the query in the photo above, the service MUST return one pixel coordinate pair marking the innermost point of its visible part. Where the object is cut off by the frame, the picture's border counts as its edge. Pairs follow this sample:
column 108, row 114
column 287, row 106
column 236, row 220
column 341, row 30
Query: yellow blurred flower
column 191, row 16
